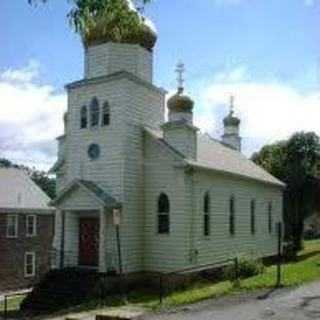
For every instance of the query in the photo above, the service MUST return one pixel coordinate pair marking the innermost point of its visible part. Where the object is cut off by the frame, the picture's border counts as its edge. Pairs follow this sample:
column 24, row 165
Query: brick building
column 26, row 230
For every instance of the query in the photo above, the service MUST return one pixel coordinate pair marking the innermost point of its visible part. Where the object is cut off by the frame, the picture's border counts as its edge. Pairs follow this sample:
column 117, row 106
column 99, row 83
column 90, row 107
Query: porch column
column 102, row 241
column 62, row 238
column 55, row 255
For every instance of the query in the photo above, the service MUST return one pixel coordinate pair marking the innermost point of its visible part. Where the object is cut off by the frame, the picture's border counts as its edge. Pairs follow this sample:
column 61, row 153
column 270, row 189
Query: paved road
column 298, row 304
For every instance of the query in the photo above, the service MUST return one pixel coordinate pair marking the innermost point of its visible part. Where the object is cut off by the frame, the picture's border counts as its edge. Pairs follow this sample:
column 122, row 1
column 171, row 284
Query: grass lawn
column 13, row 305
column 305, row 269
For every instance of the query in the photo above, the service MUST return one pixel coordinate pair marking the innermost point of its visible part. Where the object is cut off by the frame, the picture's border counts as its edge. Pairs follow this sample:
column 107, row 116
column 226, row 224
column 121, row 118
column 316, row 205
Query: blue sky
column 266, row 52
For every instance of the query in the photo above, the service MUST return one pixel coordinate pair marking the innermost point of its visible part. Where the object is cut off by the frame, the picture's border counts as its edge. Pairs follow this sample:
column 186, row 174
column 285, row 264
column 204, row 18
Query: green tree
column 41, row 178
column 293, row 162
column 106, row 20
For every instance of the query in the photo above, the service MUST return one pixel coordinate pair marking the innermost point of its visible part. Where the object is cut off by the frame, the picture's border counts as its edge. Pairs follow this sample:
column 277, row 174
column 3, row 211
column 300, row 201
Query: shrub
column 289, row 252
column 246, row 268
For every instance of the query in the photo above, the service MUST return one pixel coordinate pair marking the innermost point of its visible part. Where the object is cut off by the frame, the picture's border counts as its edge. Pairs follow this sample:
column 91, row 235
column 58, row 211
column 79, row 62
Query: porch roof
column 103, row 197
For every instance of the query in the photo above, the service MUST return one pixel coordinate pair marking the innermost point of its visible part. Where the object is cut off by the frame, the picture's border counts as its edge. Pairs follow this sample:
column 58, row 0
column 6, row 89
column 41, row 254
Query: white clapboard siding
column 220, row 244
column 134, row 168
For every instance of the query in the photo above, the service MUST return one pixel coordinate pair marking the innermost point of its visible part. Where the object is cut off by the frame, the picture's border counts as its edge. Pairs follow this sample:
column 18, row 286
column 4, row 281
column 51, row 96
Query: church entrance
column 89, row 242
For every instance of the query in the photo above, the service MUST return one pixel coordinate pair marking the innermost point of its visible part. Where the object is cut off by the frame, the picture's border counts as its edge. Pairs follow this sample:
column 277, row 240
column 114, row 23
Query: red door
column 88, row 242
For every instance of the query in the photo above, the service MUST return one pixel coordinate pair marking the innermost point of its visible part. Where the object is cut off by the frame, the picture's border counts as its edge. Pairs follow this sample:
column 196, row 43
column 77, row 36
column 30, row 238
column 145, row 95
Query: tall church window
column 253, row 216
column 94, row 112
column 84, row 117
column 206, row 215
column 163, row 214
column 232, row 215
column 106, row 114
column 270, row 217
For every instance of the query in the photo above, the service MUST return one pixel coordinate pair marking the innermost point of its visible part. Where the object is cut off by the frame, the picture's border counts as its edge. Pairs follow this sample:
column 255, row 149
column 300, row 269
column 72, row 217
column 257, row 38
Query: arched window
column 253, row 216
column 206, row 214
column 163, row 214
column 94, row 112
column 83, row 117
column 270, row 217
column 106, row 114
column 232, row 215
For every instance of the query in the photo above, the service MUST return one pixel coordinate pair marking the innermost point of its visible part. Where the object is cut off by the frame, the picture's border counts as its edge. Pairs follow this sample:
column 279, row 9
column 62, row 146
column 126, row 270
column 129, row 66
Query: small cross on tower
column 232, row 98
column 180, row 71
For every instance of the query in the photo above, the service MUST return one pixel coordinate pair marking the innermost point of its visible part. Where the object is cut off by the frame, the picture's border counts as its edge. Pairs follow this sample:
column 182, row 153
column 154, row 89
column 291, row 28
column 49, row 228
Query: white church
column 178, row 198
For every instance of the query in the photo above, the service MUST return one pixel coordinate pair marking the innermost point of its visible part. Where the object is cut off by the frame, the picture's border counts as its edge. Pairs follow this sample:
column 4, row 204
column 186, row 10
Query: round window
column 94, row 151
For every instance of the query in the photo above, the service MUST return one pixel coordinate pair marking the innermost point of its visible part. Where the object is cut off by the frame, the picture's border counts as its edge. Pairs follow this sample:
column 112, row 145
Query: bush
column 289, row 252
column 246, row 268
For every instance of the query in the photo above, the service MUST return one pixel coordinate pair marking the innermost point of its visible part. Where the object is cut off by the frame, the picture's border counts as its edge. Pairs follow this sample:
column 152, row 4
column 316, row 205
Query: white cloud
column 269, row 110
column 30, row 117
column 25, row 74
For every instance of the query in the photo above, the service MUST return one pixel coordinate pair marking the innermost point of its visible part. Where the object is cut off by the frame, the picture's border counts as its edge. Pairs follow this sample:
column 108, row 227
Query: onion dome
column 108, row 27
column 230, row 119
column 180, row 102
column 145, row 36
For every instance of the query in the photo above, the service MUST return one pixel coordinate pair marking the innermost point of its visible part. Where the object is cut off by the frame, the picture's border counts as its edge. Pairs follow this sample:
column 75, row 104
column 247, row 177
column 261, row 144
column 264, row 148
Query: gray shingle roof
column 18, row 191
column 214, row 155
column 93, row 188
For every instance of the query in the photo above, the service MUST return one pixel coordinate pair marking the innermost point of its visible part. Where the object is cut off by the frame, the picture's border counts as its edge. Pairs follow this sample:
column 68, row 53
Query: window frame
column 34, row 225
column 270, row 217
column 206, row 215
column 94, row 113
column 16, row 226
column 232, row 218
column 163, row 212
column 84, row 117
column 105, row 113
column 33, row 261
column 253, row 207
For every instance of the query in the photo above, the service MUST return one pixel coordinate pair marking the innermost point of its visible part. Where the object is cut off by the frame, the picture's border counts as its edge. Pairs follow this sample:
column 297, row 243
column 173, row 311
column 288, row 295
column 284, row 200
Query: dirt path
column 296, row 304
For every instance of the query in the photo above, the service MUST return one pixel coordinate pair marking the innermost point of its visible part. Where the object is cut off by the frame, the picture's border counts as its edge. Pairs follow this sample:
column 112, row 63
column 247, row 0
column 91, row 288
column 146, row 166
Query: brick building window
column 30, row 264
column 163, row 214
column 12, row 226
column 31, row 225
column 206, row 215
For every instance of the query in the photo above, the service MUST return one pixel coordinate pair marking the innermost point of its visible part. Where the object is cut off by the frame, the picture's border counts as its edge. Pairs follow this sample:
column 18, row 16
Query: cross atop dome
column 180, row 70
column 232, row 98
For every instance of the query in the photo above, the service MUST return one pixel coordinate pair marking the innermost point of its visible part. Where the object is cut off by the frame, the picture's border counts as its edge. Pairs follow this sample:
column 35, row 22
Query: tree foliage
column 293, row 161
column 105, row 19
column 41, row 178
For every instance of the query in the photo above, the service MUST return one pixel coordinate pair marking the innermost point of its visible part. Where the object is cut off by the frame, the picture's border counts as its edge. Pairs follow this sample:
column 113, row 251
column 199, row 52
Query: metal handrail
column 197, row 269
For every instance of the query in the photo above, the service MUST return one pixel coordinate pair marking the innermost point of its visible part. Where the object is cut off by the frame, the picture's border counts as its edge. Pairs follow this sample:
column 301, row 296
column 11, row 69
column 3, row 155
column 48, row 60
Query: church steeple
column 231, row 136
column 180, row 105
column 179, row 131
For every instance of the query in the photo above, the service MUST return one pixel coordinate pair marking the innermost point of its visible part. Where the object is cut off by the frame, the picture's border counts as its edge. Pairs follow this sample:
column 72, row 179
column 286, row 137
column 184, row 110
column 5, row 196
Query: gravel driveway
column 301, row 304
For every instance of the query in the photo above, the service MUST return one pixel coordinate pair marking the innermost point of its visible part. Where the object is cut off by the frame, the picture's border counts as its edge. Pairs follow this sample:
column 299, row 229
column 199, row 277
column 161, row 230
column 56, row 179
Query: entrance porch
column 83, row 219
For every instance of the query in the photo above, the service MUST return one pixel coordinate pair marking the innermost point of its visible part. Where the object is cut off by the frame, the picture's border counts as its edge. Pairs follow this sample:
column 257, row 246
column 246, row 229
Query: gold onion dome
column 180, row 102
column 231, row 120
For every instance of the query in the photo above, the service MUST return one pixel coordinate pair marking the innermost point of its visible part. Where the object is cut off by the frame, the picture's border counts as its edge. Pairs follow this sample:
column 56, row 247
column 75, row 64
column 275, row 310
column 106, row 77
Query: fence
column 81, row 281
